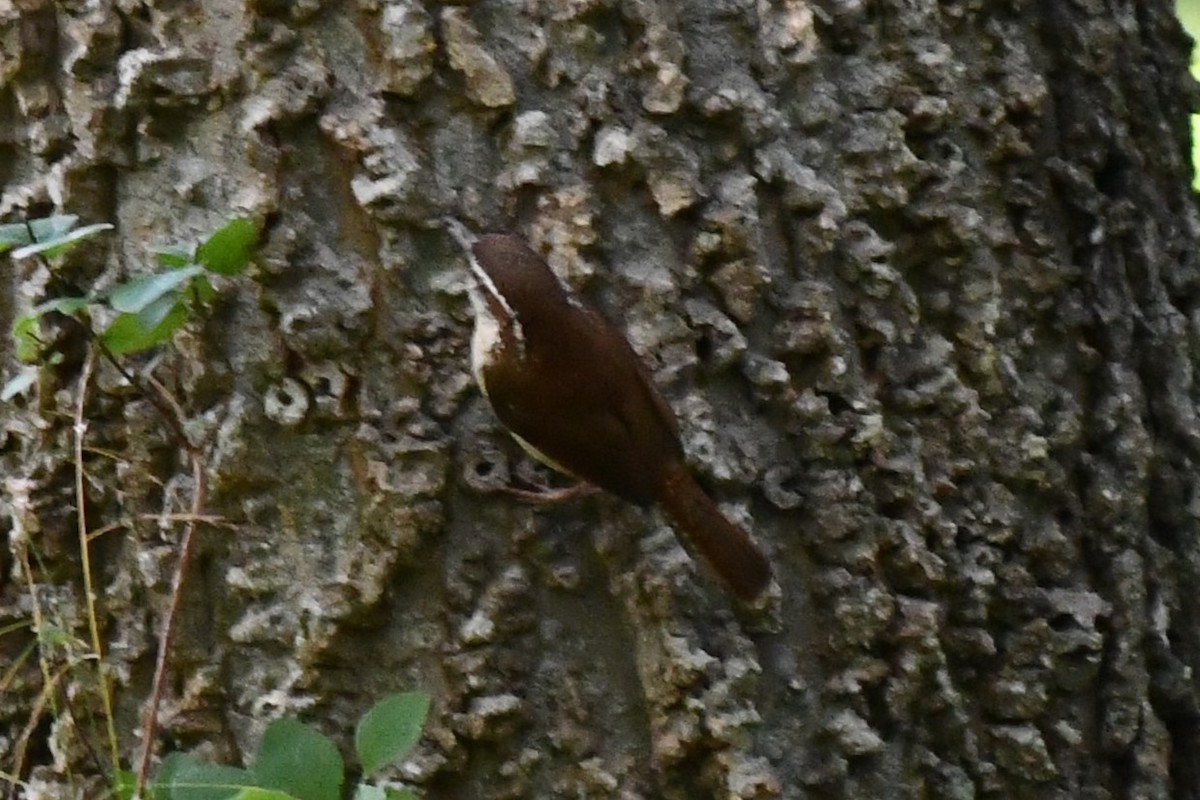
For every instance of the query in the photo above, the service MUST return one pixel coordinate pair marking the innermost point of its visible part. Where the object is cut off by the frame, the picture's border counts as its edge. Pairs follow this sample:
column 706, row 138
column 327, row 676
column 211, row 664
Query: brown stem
column 173, row 414
column 150, row 727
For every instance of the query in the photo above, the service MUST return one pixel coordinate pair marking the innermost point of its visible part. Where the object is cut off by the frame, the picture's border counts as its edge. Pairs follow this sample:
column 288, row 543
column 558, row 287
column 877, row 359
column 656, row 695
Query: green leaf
column 228, row 251
column 152, row 315
column 299, row 760
column 27, row 334
column 63, row 305
column 13, row 235
column 60, row 244
column 48, row 228
column 124, row 782
column 195, row 780
column 390, row 729
column 203, row 289
column 52, row 636
column 173, row 256
column 135, row 295
column 160, row 782
column 126, row 334
column 18, row 384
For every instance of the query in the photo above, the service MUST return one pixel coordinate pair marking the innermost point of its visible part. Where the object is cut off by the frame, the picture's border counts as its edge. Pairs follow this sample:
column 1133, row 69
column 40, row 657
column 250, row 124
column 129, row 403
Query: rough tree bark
column 920, row 279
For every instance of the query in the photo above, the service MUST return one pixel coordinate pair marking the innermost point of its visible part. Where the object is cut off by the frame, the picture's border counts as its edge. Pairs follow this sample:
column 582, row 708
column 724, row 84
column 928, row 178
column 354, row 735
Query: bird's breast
column 485, row 346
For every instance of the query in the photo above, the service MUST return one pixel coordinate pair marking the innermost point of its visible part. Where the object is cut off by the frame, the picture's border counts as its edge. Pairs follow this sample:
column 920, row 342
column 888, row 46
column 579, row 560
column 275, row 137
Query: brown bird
column 569, row 387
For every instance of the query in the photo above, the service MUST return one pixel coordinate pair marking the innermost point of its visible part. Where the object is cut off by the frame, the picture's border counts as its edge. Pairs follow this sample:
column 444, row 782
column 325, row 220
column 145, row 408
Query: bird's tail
column 726, row 547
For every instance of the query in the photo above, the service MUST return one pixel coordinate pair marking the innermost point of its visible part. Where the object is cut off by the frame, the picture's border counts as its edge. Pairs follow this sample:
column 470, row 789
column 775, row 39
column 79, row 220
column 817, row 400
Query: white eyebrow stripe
column 489, row 286
column 486, row 281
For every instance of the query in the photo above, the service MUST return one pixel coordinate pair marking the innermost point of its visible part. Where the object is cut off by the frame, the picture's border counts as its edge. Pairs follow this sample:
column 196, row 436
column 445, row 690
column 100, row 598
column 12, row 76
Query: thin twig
column 5, row 683
column 21, row 545
column 161, row 400
column 13, row 627
column 35, row 715
column 216, row 520
column 39, row 621
column 109, row 528
column 150, row 727
column 84, row 739
column 10, row 674
column 89, row 591
column 167, row 408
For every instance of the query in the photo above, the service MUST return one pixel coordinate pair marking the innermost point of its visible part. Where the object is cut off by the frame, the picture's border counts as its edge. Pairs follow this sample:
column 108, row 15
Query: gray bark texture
column 919, row 278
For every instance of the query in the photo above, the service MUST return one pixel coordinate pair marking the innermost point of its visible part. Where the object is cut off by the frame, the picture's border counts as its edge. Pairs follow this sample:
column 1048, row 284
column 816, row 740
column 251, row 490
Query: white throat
column 485, row 340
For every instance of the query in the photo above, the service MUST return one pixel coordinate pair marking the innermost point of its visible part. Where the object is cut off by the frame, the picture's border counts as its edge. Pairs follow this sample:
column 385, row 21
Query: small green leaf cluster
column 297, row 762
column 149, row 309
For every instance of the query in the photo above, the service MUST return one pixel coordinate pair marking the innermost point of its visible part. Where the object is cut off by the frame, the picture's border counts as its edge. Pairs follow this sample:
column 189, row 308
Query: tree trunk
column 919, row 279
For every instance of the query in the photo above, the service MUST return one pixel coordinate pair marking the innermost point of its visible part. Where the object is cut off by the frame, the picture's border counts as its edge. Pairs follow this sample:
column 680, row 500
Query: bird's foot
column 544, row 495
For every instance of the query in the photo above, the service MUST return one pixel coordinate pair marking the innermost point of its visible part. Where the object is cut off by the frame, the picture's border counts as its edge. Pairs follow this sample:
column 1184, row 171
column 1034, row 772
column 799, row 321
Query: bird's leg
column 538, row 493
column 547, row 496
